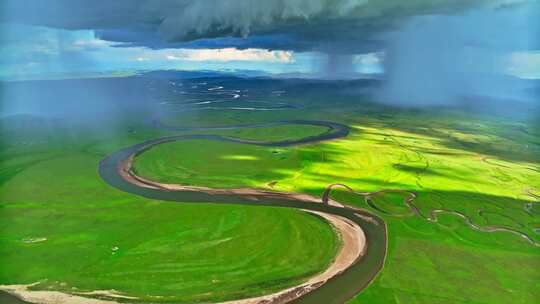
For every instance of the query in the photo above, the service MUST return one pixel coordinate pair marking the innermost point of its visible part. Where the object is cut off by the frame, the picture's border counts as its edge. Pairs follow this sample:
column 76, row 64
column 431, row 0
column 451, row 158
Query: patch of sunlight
column 285, row 172
column 239, row 157
column 366, row 161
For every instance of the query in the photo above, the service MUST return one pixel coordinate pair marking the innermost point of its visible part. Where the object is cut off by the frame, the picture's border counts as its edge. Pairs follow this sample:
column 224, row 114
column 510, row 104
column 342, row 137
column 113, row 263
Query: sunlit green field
column 62, row 226
column 474, row 165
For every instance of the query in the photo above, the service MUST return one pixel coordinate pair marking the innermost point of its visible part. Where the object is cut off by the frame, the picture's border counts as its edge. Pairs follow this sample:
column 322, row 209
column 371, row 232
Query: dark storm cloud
column 435, row 51
column 339, row 26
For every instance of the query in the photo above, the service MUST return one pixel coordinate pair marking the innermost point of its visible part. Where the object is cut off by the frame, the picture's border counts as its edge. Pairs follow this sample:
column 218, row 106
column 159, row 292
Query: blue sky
column 318, row 37
column 34, row 52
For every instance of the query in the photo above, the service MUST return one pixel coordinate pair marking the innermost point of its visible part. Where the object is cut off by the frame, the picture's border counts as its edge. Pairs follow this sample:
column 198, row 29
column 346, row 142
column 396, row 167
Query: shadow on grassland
column 511, row 140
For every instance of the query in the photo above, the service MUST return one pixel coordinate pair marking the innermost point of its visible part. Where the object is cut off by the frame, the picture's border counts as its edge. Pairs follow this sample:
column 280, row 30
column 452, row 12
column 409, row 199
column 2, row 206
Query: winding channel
column 115, row 170
column 433, row 216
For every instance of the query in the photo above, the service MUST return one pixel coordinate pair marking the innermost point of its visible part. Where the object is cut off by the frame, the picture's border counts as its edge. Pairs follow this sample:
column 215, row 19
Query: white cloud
column 369, row 59
column 369, row 63
column 524, row 64
column 172, row 57
column 92, row 43
column 230, row 54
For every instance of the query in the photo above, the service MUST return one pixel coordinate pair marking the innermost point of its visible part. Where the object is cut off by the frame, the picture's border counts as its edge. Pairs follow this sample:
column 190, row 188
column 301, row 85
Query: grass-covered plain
column 477, row 165
column 62, row 226
column 481, row 166
column 202, row 162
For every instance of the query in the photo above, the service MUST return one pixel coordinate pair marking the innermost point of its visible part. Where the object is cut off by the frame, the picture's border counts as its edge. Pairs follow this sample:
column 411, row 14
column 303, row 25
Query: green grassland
column 276, row 133
column 62, row 226
column 477, row 165
column 202, row 162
